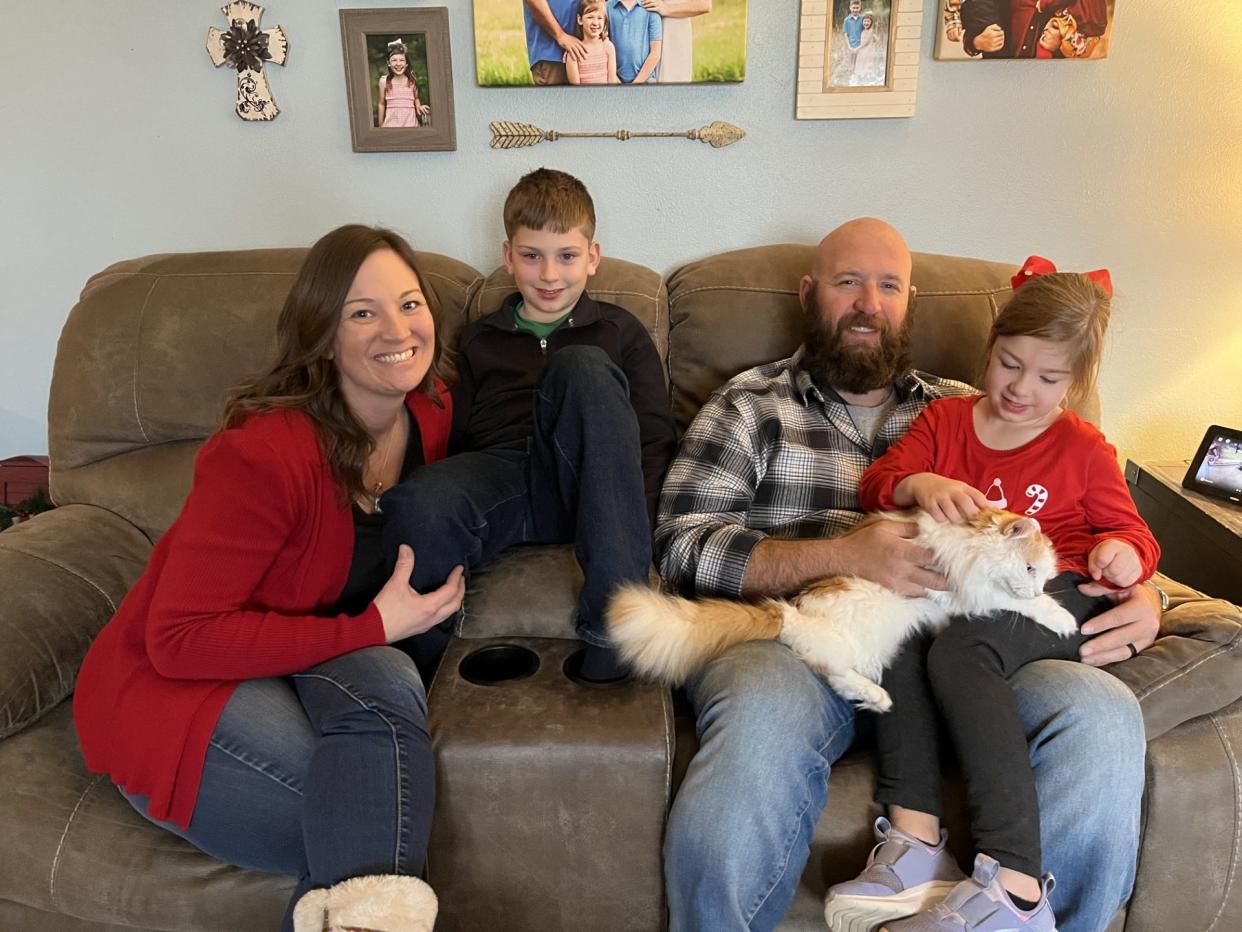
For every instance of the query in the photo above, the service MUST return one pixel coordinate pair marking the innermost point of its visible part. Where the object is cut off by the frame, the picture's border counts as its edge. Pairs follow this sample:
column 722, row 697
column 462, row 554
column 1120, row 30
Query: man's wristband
column 1164, row 596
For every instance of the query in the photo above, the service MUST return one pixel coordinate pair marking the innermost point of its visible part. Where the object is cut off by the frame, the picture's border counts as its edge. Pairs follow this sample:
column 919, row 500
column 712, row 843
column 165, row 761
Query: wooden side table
column 1200, row 537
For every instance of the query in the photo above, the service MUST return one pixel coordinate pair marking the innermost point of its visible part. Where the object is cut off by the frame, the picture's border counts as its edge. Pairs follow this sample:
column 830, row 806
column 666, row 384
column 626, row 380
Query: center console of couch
column 551, row 794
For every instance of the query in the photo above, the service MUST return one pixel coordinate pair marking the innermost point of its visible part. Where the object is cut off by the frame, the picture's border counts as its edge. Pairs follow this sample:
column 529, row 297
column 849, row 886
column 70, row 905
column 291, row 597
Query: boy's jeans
column 741, row 825
column 579, row 478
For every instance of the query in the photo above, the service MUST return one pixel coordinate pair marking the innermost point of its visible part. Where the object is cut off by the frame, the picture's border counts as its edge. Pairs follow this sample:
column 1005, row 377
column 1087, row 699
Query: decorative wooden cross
column 246, row 47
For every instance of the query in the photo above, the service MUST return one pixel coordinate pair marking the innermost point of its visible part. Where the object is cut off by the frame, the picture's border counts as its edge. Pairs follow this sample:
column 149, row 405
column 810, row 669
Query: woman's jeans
column 740, row 829
column 326, row 774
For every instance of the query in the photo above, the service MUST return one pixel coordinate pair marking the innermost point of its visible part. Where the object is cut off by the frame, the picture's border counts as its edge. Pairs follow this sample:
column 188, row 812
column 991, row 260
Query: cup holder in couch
column 572, row 668
column 500, row 663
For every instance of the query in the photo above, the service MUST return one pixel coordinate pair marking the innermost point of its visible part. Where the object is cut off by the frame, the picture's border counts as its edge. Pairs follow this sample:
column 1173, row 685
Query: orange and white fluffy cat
column 846, row 628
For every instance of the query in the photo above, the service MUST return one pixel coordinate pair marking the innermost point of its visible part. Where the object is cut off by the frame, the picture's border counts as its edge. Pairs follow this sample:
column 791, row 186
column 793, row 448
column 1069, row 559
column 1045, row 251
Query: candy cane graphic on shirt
column 1040, row 494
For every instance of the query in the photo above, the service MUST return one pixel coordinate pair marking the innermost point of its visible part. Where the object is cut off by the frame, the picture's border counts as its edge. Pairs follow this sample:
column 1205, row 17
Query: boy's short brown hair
column 547, row 199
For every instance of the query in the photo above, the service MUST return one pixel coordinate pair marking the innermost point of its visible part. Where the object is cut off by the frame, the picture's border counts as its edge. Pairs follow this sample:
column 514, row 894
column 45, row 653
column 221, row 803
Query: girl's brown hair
column 1064, row 307
column 396, row 48
column 303, row 377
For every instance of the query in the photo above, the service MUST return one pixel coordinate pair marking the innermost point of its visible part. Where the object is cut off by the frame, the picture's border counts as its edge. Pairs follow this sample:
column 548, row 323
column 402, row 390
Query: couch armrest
column 1195, row 666
column 63, row 573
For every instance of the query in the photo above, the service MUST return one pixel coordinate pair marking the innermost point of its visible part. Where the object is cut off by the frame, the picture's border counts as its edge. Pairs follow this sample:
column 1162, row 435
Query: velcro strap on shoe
column 977, row 909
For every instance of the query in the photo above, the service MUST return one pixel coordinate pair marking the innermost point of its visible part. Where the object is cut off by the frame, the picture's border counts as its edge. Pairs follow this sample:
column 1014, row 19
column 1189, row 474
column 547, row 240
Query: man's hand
column 991, row 39
column 1133, row 619
column 572, row 46
column 946, row 500
column 1115, row 562
column 882, row 552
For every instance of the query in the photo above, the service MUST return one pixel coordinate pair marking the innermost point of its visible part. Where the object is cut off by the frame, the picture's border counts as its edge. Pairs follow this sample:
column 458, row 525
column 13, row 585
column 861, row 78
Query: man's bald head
column 863, row 236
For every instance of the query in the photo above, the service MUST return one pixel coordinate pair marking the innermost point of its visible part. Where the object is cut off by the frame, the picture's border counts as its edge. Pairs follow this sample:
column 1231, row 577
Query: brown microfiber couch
column 551, row 795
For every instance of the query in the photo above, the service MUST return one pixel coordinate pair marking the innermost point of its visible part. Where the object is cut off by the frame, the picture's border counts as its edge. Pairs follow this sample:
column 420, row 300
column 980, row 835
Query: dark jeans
column 325, row 775
column 579, row 478
column 963, row 675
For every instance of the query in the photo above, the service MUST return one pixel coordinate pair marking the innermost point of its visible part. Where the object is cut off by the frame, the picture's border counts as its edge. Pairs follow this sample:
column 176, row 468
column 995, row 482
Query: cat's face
column 1019, row 558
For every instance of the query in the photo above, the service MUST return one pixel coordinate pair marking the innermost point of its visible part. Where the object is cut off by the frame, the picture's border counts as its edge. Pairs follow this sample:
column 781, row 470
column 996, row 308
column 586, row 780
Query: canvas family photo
column 594, row 42
column 1057, row 29
column 858, row 44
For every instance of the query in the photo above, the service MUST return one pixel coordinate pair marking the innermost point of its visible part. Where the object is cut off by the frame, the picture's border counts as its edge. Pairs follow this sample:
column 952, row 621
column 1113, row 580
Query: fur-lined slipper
column 386, row 903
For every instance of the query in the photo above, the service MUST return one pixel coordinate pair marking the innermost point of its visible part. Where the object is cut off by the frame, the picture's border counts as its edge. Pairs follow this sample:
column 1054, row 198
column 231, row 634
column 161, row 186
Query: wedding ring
column 1133, row 650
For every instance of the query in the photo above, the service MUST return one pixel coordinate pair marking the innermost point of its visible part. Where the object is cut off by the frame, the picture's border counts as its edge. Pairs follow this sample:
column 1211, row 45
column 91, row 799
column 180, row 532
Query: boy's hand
column 946, row 500
column 1115, row 562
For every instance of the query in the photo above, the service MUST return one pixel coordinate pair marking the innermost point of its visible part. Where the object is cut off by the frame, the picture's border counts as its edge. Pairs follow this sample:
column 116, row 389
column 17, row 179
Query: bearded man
column 763, row 499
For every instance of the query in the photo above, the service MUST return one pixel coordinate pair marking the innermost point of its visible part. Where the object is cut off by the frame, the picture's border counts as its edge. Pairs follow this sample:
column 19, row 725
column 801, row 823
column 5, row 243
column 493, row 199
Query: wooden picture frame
column 425, row 123
column 830, row 87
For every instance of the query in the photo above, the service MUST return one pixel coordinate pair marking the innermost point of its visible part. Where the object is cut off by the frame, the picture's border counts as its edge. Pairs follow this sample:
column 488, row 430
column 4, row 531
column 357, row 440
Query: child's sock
column 1025, row 905
column 602, row 665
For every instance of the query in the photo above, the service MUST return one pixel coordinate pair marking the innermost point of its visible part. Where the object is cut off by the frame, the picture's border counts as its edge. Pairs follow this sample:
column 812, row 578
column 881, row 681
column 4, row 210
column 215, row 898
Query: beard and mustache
column 854, row 368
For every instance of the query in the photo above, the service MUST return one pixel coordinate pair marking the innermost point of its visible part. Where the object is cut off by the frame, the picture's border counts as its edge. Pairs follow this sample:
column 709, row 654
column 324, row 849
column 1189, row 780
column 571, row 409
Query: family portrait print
column 1058, row 29
column 401, row 95
column 594, row 42
column 858, row 44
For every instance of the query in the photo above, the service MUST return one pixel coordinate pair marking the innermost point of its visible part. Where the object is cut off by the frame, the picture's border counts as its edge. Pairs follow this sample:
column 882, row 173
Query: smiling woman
column 262, row 622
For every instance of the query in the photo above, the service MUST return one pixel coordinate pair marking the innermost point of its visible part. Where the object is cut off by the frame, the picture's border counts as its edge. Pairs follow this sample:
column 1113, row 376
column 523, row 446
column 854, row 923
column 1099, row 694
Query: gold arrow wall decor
column 509, row 135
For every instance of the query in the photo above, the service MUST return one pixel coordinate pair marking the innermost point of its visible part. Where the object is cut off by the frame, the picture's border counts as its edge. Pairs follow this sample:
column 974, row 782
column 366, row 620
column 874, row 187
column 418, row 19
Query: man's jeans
column 579, row 479
column 739, row 832
column 325, row 775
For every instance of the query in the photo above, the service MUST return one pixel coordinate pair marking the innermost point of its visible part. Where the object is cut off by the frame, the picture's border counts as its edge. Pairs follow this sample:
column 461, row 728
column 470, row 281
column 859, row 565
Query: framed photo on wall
column 399, row 80
column 971, row 30
column 858, row 58
column 602, row 42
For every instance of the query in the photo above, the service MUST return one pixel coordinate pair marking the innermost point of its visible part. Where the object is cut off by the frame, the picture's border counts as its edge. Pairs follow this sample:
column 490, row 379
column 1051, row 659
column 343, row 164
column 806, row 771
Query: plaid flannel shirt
column 770, row 454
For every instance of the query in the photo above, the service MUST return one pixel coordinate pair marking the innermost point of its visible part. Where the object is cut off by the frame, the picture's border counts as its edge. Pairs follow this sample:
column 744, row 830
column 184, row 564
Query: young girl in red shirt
column 1014, row 447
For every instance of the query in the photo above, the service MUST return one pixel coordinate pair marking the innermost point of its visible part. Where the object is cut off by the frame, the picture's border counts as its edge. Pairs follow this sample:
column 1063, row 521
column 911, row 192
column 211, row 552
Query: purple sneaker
column 981, row 904
column 903, row 876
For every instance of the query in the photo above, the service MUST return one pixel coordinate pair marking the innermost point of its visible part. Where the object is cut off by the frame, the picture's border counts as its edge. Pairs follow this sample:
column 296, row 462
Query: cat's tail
column 666, row 638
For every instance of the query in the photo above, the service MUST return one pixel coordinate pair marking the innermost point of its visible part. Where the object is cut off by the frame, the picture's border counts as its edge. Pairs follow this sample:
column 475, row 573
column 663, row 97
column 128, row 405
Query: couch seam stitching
column 1237, row 819
column 1190, row 668
column 60, row 845
column 74, row 573
column 142, row 314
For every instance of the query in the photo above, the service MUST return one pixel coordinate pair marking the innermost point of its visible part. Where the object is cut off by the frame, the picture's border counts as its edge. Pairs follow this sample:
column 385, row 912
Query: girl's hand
column 946, row 500
column 404, row 611
column 1115, row 562
column 656, row 6
column 424, row 110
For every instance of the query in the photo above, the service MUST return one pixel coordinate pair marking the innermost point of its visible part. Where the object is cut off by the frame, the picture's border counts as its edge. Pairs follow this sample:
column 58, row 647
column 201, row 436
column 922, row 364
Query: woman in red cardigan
column 243, row 695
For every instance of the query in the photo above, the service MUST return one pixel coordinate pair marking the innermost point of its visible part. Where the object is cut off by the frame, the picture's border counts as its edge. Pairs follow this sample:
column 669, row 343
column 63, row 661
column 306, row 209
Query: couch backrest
column 738, row 309
column 149, row 353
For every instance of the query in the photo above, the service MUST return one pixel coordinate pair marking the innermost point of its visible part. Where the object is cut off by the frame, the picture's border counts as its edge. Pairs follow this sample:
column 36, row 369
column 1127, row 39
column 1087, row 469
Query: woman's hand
column 406, row 612
column 946, row 500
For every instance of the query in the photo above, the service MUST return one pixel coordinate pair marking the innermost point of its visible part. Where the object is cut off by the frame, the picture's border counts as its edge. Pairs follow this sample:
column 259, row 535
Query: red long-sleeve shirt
column 238, row 588
column 1067, row 478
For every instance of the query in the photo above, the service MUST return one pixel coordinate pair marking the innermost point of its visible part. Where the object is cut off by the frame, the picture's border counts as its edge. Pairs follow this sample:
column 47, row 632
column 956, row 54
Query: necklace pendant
column 375, row 506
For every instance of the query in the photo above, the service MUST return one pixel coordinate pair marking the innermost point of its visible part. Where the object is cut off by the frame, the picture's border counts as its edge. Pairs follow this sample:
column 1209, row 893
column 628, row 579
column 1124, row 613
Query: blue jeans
column 326, row 774
column 578, row 479
column 740, row 828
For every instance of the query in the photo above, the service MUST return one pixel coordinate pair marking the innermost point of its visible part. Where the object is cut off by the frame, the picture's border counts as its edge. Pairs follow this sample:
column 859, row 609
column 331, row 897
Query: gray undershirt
column 868, row 420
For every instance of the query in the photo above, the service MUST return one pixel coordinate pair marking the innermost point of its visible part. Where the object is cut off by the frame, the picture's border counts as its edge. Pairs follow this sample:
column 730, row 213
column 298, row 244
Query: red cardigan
column 237, row 589
column 1067, row 478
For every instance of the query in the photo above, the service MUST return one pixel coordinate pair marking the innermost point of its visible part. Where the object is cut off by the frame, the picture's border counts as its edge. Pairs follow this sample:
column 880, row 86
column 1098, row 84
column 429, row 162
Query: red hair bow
column 1035, row 266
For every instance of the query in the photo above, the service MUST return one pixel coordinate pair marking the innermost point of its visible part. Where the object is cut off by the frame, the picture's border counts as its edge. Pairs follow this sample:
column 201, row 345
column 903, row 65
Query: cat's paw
column 874, row 698
column 1057, row 620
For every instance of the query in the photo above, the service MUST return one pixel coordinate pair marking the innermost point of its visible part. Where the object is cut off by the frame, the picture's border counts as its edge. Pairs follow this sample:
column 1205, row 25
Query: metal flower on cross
column 245, row 47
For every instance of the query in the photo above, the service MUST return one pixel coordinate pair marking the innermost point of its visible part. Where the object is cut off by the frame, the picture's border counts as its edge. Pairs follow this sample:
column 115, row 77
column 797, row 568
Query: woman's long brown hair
column 303, row 377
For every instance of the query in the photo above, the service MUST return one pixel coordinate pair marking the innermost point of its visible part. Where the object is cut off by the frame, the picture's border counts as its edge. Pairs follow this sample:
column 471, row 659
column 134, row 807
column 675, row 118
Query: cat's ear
column 1022, row 527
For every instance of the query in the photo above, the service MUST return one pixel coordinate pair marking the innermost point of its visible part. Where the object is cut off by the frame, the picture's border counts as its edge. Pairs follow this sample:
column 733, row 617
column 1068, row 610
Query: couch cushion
column 634, row 287
column 739, row 309
column 65, row 571
column 1195, row 666
column 73, row 845
column 149, row 353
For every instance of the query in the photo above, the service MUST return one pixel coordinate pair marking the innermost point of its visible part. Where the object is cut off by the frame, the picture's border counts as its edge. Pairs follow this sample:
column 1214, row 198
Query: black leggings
column 960, row 677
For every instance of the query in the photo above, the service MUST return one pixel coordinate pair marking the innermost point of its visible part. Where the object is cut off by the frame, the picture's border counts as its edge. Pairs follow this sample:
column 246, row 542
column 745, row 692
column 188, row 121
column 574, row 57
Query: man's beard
column 856, row 368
